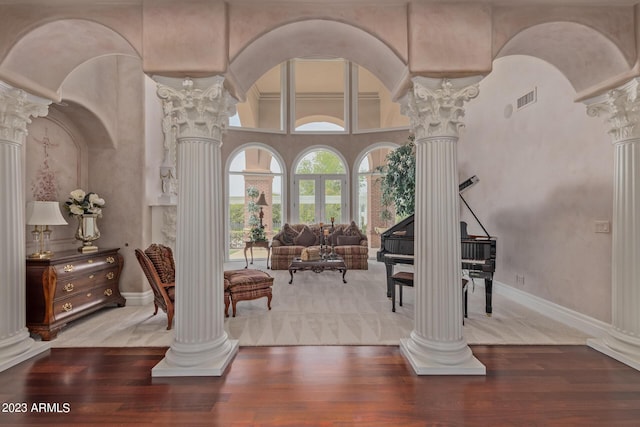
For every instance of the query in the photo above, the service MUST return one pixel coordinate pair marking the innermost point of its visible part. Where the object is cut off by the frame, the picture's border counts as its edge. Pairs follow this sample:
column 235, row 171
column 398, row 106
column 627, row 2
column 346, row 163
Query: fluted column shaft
column 437, row 224
column 436, row 346
column 621, row 107
column 200, row 346
column 16, row 108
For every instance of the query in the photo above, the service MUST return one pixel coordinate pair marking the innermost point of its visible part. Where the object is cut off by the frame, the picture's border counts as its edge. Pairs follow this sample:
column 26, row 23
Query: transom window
column 322, row 92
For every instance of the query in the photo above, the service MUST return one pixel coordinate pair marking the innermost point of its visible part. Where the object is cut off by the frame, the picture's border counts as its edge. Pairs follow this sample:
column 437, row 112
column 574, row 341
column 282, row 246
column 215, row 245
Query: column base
column 630, row 356
column 9, row 359
column 427, row 362
column 215, row 366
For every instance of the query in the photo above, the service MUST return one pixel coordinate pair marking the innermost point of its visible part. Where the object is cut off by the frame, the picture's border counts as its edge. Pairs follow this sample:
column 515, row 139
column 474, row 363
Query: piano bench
column 402, row 278
column 405, row 278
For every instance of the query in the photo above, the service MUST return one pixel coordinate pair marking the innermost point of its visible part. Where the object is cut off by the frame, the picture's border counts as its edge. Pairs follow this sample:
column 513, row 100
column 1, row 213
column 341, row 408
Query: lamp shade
column 261, row 200
column 44, row 213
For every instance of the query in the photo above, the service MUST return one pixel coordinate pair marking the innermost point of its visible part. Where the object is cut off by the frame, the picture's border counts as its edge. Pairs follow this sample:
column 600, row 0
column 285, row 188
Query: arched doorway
column 320, row 187
column 254, row 169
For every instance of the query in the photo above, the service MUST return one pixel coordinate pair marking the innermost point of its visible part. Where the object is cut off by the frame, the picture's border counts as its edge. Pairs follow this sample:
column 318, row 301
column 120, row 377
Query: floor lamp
column 261, row 202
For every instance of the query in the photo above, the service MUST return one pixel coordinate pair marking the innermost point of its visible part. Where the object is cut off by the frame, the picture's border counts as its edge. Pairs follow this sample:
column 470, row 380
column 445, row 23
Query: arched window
column 253, row 170
column 370, row 216
column 320, row 187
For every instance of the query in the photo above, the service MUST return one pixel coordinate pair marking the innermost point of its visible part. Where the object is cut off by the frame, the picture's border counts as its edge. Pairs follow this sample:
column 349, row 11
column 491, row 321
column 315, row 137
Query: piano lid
column 464, row 186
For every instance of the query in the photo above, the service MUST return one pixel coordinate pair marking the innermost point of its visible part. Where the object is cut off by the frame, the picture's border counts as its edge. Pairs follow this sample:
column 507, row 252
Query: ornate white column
column 436, row 345
column 201, row 346
column 16, row 108
column 621, row 107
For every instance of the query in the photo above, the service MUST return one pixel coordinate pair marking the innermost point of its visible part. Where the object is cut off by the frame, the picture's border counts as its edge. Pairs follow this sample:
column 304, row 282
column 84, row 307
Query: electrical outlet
column 603, row 227
column 519, row 279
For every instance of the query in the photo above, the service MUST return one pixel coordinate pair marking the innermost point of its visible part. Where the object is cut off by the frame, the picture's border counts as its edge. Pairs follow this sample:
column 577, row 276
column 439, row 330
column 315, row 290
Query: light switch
column 603, row 227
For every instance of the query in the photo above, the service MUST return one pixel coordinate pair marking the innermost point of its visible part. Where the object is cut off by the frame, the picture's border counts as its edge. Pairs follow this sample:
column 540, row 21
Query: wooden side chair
column 158, row 265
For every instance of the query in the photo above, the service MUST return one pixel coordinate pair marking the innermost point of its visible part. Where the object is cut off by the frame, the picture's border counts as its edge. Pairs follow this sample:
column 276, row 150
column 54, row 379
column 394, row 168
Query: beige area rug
column 318, row 309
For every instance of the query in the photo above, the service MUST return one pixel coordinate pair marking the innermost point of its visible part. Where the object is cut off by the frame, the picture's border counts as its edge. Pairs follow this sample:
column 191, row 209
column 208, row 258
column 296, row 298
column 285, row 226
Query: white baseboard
column 138, row 298
column 590, row 326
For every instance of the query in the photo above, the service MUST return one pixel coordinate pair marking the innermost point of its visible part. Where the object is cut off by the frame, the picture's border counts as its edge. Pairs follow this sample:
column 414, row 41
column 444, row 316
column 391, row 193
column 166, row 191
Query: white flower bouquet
column 81, row 203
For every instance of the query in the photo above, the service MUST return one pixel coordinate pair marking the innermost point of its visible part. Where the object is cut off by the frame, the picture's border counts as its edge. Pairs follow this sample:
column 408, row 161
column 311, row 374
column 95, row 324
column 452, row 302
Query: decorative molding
column 169, row 220
column 198, row 113
column 138, row 298
column 437, row 111
column 579, row 321
column 622, row 108
column 16, row 109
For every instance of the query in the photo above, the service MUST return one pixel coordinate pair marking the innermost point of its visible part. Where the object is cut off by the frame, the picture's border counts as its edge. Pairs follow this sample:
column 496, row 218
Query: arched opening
column 571, row 48
column 368, row 196
column 253, row 171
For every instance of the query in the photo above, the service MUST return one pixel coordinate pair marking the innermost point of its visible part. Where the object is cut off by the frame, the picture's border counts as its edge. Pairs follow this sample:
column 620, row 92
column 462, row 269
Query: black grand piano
column 478, row 252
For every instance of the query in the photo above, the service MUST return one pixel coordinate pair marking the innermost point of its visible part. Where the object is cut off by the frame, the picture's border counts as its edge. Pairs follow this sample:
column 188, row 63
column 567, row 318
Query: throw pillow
column 278, row 237
column 353, row 230
column 162, row 258
column 333, row 237
column 305, row 238
column 348, row 240
column 288, row 235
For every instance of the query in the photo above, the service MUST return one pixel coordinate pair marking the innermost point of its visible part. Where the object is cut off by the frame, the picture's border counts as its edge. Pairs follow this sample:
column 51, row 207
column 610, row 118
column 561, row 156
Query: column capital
column 195, row 112
column 621, row 108
column 435, row 106
column 16, row 109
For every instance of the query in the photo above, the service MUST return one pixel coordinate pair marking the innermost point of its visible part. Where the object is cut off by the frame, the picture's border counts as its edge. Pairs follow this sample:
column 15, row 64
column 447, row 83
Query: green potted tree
column 256, row 230
column 398, row 181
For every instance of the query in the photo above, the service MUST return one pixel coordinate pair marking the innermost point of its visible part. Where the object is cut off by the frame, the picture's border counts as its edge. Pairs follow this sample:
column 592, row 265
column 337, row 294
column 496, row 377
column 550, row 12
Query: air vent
column 527, row 99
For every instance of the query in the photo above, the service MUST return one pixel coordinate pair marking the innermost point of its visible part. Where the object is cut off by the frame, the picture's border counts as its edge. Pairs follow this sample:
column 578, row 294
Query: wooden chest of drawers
column 70, row 285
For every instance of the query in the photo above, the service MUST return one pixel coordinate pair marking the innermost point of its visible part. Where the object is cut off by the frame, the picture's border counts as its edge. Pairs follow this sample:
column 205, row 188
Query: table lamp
column 41, row 215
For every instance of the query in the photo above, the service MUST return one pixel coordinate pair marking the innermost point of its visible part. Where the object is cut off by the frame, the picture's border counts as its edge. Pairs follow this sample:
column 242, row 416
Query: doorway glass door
column 307, row 201
column 320, row 198
column 333, row 200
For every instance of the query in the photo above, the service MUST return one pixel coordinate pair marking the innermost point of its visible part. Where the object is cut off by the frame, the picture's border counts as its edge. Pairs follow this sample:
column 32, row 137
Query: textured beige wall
column 116, row 171
column 450, row 39
column 40, row 45
column 154, row 141
column 185, row 38
column 545, row 178
column 251, row 20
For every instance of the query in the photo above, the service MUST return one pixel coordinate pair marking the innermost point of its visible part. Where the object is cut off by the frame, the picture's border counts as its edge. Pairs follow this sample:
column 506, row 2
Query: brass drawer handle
column 68, row 268
column 89, row 261
column 110, row 260
column 108, row 292
column 67, row 306
column 89, row 295
column 110, row 275
column 92, row 276
column 68, row 287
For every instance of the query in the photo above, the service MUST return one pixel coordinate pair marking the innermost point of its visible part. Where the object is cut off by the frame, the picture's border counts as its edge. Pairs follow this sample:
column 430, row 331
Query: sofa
column 347, row 239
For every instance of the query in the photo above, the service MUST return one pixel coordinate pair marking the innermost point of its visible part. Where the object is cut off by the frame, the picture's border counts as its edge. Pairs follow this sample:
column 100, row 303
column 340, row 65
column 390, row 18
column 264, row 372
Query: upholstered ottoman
column 247, row 284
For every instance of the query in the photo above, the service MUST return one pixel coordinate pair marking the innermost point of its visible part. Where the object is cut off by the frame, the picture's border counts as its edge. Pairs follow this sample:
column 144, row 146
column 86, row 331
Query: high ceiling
column 494, row 2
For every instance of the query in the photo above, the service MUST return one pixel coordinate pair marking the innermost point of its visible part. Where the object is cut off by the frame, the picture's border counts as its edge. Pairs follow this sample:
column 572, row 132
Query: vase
column 87, row 232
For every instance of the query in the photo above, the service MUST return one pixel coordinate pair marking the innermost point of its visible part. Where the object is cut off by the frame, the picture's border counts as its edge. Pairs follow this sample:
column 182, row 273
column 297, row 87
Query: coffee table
column 318, row 266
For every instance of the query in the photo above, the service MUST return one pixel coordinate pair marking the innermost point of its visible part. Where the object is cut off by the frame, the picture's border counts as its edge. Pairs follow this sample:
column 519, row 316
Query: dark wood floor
column 324, row 386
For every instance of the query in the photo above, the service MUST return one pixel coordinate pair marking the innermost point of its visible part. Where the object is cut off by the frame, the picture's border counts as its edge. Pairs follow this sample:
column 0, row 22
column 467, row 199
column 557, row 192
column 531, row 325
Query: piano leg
column 390, row 284
column 488, row 289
